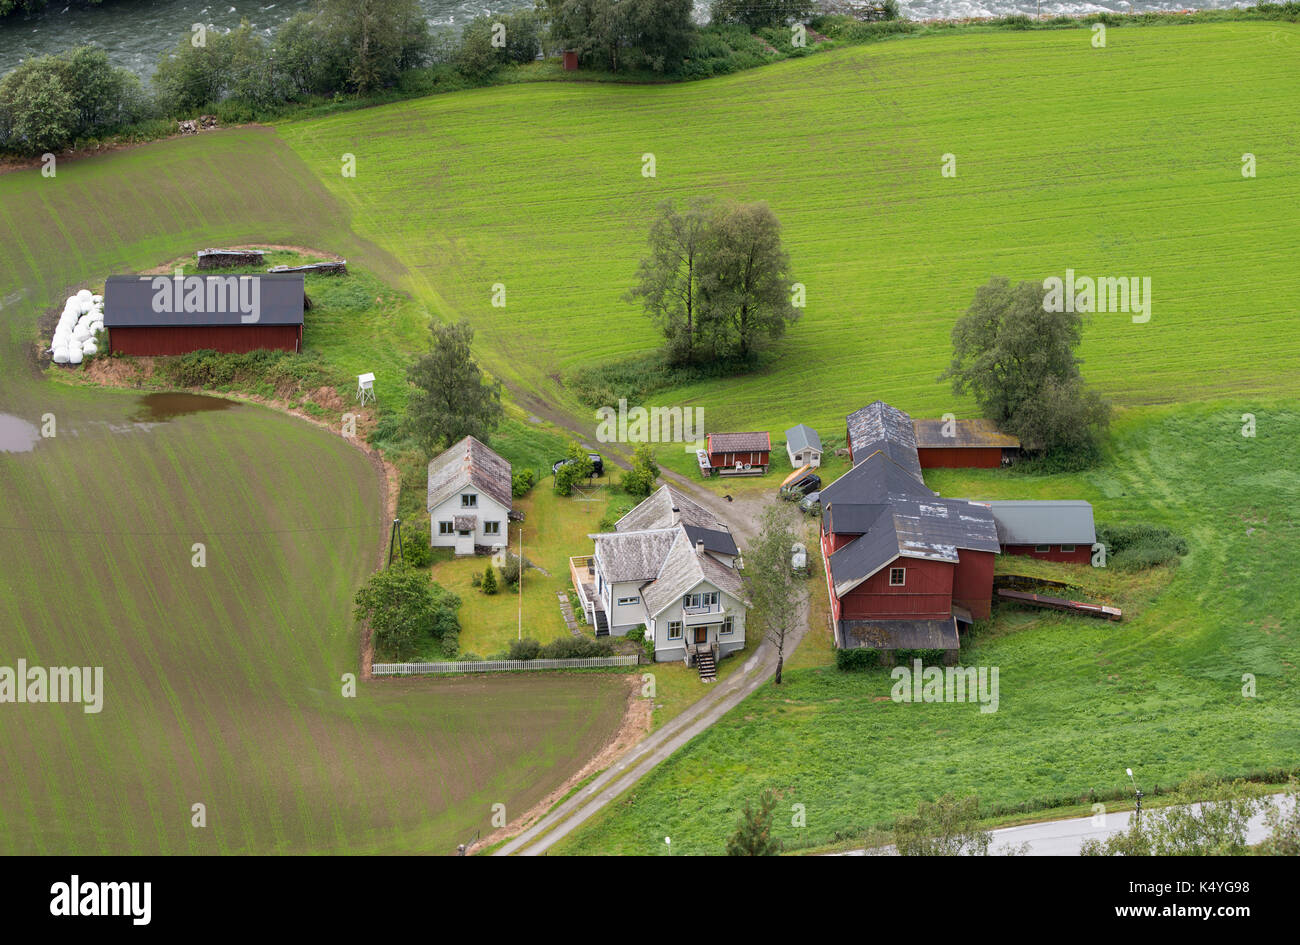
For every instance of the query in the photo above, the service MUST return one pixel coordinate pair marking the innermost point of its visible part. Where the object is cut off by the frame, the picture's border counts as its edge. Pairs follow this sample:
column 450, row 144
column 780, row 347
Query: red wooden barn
column 739, row 453
column 959, row 444
column 1054, row 530
column 165, row 315
column 903, row 565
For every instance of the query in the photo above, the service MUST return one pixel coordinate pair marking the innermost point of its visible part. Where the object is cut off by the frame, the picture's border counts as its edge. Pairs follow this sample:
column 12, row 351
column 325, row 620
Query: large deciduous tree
column 1017, row 358
column 668, row 281
column 452, row 399
column 403, row 607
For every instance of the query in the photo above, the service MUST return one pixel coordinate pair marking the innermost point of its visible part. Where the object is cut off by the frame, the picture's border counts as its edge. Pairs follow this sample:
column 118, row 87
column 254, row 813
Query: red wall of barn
column 147, row 340
column 830, row 584
column 927, row 595
column 952, row 457
column 756, row 458
column 972, row 582
column 1082, row 554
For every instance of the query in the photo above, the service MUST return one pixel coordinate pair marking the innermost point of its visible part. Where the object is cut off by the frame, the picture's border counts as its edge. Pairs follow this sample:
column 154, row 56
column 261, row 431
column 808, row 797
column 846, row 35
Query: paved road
column 643, row 757
column 1065, row 837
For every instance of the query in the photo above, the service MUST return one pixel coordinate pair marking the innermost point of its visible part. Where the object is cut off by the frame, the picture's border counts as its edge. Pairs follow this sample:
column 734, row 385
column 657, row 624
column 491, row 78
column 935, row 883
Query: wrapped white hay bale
column 85, row 294
column 98, row 300
column 60, row 355
column 74, row 355
column 89, row 347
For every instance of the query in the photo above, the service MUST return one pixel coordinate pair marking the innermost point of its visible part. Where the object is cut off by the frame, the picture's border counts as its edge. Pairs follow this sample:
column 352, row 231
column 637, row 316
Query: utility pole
column 520, row 635
column 395, row 542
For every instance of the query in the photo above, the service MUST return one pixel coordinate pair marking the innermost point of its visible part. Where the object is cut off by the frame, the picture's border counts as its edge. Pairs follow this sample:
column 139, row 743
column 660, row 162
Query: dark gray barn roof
column 715, row 540
column 151, row 301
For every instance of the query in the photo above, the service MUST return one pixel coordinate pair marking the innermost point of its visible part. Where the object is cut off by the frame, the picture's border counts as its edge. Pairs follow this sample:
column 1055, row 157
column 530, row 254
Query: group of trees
column 716, row 280
column 1017, row 358
column 623, row 34
column 48, row 101
column 405, row 609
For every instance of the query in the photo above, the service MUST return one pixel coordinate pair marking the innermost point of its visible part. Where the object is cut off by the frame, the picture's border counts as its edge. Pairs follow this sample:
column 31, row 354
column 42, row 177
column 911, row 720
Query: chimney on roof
column 699, row 547
column 676, row 514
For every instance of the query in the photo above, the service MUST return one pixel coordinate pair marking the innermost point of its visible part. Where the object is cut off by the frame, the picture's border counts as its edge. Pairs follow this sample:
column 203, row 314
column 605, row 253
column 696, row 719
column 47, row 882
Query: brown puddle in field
column 17, row 435
column 159, row 408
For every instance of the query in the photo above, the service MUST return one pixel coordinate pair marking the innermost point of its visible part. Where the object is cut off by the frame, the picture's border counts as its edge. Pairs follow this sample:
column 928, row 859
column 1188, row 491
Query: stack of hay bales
column 81, row 321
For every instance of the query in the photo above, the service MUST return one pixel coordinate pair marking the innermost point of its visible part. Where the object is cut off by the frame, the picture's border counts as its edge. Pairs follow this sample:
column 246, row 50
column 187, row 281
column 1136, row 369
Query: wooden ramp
column 1060, row 603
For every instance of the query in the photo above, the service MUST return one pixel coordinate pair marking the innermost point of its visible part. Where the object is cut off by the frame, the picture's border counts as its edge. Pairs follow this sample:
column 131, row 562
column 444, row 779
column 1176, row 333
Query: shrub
column 927, row 657
column 856, row 661
column 568, row 648
column 1140, row 545
column 522, row 482
column 511, row 570
column 416, row 550
column 490, row 580
column 526, row 649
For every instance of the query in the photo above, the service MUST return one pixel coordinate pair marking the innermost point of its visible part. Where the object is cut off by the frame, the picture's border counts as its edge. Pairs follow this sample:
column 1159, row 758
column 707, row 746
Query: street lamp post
column 1137, row 792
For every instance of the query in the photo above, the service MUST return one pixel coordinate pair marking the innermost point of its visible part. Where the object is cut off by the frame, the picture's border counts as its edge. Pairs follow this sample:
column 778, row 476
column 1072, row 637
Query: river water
column 137, row 32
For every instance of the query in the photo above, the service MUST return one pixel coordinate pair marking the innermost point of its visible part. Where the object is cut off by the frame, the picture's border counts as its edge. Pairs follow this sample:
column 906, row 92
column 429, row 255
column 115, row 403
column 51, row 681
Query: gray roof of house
column 683, row 570
column 802, row 437
column 634, row 556
column 900, row 634
column 656, row 511
column 1043, row 522
column 469, row 462
column 465, row 523
column 878, row 426
column 129, row 301
column 716, row 540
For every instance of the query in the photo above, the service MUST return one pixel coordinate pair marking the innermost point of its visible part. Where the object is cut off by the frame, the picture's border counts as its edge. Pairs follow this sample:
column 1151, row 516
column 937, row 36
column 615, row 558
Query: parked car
column 811, row 504
column 597, row 464
column 801, row 487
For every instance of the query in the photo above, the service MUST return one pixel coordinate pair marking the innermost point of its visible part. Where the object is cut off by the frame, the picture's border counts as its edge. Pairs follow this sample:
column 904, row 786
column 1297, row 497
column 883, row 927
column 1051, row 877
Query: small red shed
column 739, row 454
column 570, row 60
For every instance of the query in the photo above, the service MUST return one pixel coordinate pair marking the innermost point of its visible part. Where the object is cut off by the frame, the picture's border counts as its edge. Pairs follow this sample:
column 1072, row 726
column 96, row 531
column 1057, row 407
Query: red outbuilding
column 166, row 315
column 739, row 454
column 962, row 444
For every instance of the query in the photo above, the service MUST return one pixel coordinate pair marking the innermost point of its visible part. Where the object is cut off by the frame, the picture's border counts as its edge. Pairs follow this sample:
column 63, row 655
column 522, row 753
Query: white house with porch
column 469, row 498
column 670, row 567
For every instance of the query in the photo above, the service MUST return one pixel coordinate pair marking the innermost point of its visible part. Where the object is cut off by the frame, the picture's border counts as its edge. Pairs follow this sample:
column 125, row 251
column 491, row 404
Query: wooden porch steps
column 602, row 623
column 705, row 664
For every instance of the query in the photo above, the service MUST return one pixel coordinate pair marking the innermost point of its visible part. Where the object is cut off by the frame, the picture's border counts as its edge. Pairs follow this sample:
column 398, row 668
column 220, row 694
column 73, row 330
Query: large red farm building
column 162, row 315
column 903, row 565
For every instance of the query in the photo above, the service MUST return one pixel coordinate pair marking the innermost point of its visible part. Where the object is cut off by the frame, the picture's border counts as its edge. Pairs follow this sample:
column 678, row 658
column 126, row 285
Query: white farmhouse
column 469, row 498
column 671, row 568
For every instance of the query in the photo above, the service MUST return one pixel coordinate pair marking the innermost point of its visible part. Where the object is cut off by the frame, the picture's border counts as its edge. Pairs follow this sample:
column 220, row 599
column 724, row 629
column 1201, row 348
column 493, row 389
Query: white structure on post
column 366, row 388
column 671, row 568
column 469, row 498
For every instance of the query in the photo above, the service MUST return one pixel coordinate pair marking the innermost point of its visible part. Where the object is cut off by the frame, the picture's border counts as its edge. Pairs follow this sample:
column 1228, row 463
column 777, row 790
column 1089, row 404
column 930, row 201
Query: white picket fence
column 498, row 666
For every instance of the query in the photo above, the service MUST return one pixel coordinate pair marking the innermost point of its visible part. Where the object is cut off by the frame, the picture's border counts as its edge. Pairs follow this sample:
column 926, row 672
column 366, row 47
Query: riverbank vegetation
column 344, row 54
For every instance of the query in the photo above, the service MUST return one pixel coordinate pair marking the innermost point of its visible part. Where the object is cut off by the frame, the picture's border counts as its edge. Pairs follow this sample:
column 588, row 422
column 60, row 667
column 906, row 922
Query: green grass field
column 223, row 684
column 1117, row 161
column 1080, row 699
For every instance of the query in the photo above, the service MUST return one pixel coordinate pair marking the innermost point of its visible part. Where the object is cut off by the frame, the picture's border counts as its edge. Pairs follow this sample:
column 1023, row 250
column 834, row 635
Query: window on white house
column 674, row 629
column 491, row 528
column 446, row 528
column 897, row 577
column 469, row 501
column 1042, row 547
column 1067, row 547
column 703, row 599
column 728, row 626
column 627, row 601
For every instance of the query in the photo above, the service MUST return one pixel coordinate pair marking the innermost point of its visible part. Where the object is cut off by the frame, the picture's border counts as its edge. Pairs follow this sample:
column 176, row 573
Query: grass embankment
column 1080, row 699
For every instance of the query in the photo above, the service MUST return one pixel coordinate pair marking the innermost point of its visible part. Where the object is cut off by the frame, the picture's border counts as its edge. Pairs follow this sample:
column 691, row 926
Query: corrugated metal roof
column 469, row 462
column 972, row 433
column 802, row 437
column 152, row 301
column 1043, row 522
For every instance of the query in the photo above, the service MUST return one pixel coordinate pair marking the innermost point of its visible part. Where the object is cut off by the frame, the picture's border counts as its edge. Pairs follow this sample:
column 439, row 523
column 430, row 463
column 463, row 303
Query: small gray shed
column 803, row 446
